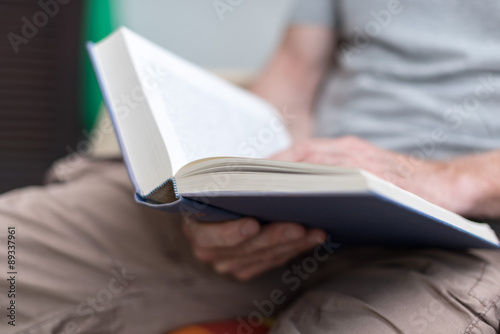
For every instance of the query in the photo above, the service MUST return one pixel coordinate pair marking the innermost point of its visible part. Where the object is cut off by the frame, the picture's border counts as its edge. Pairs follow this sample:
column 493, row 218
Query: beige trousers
column 90, row 260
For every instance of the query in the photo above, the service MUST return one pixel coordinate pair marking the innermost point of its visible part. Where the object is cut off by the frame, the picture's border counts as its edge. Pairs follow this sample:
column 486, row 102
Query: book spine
column 192, row 209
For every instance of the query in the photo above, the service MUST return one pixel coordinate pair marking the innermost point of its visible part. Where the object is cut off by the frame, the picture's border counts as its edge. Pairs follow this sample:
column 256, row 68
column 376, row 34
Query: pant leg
column 384, row 291
column 91, row 260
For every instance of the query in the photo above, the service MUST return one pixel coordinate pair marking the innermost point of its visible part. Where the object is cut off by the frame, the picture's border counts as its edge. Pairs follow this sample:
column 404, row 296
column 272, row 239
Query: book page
column 142, row 145
column 199, row 115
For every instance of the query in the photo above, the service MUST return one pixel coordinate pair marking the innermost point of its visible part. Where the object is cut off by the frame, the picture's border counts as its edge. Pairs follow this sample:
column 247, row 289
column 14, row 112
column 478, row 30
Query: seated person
column 409, row 91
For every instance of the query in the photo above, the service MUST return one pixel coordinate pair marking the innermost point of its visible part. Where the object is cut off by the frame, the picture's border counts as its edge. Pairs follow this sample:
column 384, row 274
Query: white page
column 143, row 148
column 200, row 116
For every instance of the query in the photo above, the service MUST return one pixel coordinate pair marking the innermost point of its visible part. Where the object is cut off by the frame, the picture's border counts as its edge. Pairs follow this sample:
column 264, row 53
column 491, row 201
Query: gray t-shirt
column 419, row 77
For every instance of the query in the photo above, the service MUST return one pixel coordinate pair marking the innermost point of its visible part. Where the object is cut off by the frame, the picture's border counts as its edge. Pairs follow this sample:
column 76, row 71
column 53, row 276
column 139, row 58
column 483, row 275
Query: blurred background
column 49, row 98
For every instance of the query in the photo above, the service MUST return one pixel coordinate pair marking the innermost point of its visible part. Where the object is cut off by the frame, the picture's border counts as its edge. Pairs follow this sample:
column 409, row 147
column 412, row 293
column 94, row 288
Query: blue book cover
column 365, row 219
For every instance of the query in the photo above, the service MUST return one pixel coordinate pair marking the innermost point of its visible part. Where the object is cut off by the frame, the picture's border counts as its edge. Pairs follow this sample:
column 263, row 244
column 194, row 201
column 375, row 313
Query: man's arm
column 292, row 78
column 468, row 185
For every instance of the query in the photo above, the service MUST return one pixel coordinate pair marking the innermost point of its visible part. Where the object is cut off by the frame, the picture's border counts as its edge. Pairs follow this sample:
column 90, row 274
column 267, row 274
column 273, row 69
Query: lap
column 91, row 260
column 384, row 291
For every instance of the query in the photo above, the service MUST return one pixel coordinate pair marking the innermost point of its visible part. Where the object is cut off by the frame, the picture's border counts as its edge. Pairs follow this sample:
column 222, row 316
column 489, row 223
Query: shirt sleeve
column 315, row 12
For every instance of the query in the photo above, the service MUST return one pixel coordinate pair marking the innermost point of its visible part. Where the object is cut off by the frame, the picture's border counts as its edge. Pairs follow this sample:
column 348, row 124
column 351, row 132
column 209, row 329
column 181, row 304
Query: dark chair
column 39, row 67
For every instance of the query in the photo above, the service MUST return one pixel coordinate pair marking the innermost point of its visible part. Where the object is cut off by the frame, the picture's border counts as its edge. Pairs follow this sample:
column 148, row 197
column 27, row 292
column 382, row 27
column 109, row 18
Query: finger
column 269, row 257
column 322, row 158
column 347, row 145
column 225, row 234
column 266, row 257
column 260, row 267
column 269, row 236
column 343, row 145
column 294, row 153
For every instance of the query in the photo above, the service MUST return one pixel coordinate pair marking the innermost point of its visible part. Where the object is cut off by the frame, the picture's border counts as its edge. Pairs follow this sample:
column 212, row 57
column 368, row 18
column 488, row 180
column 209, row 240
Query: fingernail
column 222, row 267
column 316, row 238
column 293, row 233
column 250, row 227
column 203, row 241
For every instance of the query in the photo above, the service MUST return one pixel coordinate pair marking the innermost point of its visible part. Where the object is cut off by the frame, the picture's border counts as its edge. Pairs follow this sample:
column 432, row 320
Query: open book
column 197, row 145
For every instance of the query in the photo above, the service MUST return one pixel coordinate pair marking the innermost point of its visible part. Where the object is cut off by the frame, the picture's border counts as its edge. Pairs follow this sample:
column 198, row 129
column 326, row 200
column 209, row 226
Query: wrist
column 439, row 182
column 473, row 195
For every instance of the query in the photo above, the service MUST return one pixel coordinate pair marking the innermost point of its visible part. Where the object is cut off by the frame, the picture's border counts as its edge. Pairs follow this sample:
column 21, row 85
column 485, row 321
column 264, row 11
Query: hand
column 244, row 249
column 431, row 180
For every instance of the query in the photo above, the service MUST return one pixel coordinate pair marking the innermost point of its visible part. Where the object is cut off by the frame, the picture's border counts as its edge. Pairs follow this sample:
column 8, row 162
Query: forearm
column 292, row 78
column 290, row 89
